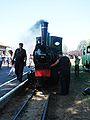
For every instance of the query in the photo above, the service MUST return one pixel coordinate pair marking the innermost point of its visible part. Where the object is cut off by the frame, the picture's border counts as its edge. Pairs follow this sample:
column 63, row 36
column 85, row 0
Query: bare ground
column 74, row 106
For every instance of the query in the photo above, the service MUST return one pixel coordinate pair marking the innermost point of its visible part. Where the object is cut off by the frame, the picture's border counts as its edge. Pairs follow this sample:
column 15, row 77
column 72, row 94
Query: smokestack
column 44, row 32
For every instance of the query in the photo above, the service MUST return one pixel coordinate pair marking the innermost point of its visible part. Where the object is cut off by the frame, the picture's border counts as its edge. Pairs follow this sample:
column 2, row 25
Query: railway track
column 27, row 104
column 9, row 88
column 16, row 98
column 20, row 101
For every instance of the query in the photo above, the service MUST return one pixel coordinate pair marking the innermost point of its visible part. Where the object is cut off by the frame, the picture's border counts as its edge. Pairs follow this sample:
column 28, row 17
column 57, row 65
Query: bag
column 86, row 91
column 12, row 71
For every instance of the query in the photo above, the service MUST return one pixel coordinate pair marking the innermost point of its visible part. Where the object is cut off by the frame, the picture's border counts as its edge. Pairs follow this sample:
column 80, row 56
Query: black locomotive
column 46, row 52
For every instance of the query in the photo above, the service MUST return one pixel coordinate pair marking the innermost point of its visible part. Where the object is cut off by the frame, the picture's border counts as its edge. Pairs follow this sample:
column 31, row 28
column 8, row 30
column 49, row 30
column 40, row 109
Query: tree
column 88, row 42
column 82, row 44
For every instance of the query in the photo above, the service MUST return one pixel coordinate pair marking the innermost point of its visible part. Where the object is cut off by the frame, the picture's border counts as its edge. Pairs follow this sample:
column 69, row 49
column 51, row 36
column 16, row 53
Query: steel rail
column 12, row 91
column 8, row 82
column 11, row 80
column 21, row 109
column 45, row 109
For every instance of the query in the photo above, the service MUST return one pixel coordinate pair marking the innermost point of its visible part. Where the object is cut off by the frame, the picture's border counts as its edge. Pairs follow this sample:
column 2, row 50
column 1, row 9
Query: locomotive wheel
column 64, row 77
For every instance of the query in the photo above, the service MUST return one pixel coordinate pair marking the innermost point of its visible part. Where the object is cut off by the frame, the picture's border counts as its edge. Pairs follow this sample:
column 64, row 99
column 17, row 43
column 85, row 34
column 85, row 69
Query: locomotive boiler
column 46, row 52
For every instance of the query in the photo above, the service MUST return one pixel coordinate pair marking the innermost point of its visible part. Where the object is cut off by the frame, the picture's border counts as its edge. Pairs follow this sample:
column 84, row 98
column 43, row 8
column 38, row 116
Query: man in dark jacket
column 19, row 59
column 62, row 70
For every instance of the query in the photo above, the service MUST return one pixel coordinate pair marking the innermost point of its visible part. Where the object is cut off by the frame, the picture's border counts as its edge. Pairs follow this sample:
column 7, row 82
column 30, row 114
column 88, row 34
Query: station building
column 3, row 48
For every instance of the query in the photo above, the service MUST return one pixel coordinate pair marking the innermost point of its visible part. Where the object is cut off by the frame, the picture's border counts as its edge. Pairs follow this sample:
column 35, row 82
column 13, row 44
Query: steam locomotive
column 46, row 52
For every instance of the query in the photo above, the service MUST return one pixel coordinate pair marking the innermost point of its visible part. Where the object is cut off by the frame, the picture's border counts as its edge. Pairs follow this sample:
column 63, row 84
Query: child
column 30, row 60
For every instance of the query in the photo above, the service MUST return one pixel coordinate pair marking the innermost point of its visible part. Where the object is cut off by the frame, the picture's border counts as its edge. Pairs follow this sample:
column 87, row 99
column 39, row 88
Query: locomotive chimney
column 44, row 32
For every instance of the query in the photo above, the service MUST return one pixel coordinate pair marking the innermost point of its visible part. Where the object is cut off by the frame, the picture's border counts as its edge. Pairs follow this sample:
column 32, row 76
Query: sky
column 69, row 19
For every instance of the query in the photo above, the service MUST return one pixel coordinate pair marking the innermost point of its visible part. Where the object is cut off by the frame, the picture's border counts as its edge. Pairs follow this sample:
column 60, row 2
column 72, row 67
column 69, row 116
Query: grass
column 83, row 82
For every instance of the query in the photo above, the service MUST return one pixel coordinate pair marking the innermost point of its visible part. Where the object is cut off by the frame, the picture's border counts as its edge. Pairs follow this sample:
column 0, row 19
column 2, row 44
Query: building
column 3, row 48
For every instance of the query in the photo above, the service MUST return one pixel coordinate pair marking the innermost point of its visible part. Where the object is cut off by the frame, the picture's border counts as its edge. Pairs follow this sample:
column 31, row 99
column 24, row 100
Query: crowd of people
column 16, row 62
column 5, row 61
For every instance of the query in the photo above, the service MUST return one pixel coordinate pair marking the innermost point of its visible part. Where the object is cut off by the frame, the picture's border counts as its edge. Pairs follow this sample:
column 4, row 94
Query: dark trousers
column 65, row 86
column 77, row 70
column 64, row 82
column 54, row 75
column 0, row 64
column 19, row 70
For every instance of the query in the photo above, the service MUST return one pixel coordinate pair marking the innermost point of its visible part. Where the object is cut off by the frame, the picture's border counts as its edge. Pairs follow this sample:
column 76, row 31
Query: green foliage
column 88, row 43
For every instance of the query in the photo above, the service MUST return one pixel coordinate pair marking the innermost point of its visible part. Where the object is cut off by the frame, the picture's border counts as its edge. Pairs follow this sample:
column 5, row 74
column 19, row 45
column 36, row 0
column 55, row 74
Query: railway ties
column 35, row 107
column 23, row 106
column 30, row 104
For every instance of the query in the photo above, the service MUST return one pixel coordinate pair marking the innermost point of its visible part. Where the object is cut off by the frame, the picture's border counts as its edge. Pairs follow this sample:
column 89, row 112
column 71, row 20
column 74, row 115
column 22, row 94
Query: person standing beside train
column 1, row 61
column 30, row 60
column 19, row 59
column 77, row 61
column 54, row 68
column 63, row 69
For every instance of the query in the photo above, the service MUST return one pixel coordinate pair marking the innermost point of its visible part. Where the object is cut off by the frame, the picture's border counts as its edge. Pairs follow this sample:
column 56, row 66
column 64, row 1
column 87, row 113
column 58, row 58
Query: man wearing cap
column 19, row 59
